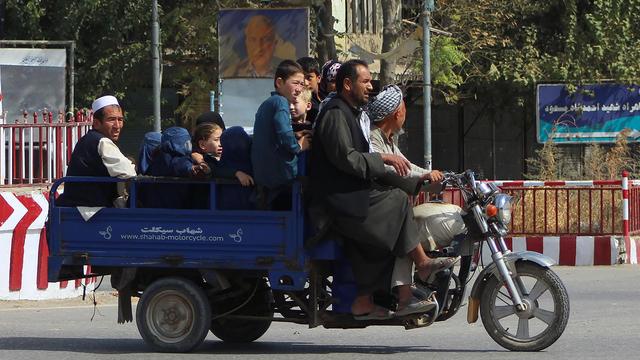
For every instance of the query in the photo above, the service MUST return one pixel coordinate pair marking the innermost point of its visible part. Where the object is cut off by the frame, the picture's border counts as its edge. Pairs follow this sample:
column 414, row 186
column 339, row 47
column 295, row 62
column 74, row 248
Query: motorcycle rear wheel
column 173, row 315
column 239, row 330
column 544, row 320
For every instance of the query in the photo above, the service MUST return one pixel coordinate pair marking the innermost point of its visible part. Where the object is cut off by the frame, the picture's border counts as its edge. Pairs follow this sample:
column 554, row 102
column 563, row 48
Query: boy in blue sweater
column 275, row 145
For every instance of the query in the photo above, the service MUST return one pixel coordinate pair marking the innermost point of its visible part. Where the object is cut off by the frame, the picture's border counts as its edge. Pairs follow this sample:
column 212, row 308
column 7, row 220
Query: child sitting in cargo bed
column 172, row 159
column 234, row 162
column 300, row 110
column 207, row 149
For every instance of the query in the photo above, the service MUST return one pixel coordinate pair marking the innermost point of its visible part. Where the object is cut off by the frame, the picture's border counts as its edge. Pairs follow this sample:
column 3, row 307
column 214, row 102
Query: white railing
column 38, row 151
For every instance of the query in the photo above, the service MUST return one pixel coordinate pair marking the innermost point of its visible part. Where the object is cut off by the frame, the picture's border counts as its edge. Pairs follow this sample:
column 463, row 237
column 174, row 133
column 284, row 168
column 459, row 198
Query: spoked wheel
column 173, row 315
column 545, row 317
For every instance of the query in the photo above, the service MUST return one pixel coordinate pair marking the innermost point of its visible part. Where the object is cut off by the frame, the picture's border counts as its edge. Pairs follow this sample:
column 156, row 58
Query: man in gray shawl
column 437, row 223
column 376, row 221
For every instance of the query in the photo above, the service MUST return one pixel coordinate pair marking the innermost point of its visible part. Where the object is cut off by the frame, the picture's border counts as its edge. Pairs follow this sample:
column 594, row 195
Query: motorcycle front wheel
column 545, row 317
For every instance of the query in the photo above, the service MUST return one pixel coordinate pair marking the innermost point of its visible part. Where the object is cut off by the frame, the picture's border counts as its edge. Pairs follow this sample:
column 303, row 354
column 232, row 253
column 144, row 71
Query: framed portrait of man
column 252, row 42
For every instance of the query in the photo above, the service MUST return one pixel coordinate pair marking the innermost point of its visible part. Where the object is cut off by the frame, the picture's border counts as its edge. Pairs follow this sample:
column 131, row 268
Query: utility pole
column 428, row 7
column 3, row 6
column 155, row 66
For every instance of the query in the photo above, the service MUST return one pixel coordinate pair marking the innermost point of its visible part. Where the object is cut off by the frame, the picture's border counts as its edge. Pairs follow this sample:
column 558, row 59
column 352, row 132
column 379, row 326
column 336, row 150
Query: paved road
column 604, row 323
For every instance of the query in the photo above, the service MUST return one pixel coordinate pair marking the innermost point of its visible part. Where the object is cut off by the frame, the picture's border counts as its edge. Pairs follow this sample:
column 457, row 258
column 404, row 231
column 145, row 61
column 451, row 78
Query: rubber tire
column 454, row 301
column 561, row 309
column 195, row 304
column 245, row 331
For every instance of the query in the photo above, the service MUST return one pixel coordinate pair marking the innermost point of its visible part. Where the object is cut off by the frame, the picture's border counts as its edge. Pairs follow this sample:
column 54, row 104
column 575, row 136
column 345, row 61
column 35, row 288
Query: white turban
column 101, row 102
column 386, row 102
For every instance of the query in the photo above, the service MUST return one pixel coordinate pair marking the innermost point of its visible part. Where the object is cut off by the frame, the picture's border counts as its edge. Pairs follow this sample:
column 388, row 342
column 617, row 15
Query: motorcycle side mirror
column 471, row 177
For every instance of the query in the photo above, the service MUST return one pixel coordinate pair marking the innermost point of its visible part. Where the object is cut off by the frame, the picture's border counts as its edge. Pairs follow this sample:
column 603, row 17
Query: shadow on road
column 132, row 346
column 310, row 348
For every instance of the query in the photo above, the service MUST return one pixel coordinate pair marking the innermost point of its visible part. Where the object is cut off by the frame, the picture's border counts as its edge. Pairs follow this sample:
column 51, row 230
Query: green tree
column 511, row 46
column 113, row 42
column 111, row 39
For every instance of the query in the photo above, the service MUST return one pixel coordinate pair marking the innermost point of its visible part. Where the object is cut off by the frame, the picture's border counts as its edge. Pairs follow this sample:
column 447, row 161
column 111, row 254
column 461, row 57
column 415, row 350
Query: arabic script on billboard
column 591, row 113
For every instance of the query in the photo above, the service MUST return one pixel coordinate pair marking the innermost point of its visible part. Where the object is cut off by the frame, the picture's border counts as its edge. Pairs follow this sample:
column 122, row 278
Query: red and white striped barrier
column 534, row 183
column 632, row 246
column 565, row 250
column 24, row 251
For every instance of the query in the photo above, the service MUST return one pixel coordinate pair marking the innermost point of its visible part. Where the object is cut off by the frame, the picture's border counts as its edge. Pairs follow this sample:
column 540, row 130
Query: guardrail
column 578, row 208
column 38, row 151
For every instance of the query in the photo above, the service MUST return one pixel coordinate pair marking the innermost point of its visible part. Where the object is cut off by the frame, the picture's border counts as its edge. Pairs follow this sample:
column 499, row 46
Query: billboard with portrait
column 252, row 42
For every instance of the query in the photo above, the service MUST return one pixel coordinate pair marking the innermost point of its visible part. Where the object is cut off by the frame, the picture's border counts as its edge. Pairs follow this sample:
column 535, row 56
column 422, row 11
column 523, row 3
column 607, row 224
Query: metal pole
column 3, row 10
column 155, row 57
column 428, row 6
column 36, row 42
column 72, row 76
column 493, row 148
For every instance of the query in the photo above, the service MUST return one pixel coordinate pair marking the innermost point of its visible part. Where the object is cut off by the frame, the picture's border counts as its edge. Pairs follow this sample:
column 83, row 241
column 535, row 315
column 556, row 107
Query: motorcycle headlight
column 503, row 202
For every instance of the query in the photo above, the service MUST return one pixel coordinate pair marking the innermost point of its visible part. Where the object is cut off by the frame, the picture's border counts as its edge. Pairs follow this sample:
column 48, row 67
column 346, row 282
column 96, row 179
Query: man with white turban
column 96, row 154
column 438, row 223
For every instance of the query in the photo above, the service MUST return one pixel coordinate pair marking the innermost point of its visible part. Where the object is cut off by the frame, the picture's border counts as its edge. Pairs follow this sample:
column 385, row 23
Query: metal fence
column 634, row 207
column 36, row 149
column 581, row 208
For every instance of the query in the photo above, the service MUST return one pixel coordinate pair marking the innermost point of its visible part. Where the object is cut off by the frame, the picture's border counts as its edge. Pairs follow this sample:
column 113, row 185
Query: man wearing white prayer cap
column 437, row 223
column 96, row 154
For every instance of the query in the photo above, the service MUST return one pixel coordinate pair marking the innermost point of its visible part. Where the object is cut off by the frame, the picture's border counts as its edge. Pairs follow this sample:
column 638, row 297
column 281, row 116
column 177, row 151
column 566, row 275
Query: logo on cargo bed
column 237, row 237
column 106, row 233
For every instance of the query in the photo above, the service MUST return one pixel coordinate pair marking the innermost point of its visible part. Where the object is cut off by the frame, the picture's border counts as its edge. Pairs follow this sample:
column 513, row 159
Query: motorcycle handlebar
column 466, row 177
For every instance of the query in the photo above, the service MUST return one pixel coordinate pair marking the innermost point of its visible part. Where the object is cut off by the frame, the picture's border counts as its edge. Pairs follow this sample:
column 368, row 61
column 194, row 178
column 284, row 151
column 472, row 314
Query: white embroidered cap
column 101, row 102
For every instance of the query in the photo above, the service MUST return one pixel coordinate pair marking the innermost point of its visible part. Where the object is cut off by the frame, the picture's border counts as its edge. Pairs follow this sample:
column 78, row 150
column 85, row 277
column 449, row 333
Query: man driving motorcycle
column 438, row 223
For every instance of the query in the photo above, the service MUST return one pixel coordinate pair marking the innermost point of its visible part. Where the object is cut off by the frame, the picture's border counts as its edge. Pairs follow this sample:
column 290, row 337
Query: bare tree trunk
column 326, row 45
column 391, row 27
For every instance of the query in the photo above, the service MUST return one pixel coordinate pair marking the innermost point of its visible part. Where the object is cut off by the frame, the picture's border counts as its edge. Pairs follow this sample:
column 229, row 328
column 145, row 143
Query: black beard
column 357, row 102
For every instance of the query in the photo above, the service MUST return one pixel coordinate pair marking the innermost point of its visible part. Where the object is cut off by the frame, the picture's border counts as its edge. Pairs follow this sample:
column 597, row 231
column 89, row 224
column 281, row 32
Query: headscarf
column 150, row 143
column 385, row 103
column 237, row 149
column 329, row 72
column 209, row 117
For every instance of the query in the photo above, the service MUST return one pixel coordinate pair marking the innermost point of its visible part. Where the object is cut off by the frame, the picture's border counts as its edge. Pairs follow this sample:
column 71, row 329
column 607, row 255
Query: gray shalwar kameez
column 386, row 230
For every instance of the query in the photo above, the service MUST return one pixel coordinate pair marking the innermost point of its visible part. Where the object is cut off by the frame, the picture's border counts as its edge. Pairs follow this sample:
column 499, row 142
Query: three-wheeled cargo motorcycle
column 234, row 272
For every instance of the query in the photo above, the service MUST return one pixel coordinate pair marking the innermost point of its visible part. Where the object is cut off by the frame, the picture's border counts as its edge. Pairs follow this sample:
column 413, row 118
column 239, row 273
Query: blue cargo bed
column 271, row 241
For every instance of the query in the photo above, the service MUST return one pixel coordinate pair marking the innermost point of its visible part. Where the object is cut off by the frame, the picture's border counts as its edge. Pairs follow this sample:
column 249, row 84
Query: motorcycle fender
column 491, row 270
column 216, row 279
